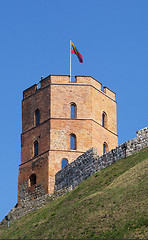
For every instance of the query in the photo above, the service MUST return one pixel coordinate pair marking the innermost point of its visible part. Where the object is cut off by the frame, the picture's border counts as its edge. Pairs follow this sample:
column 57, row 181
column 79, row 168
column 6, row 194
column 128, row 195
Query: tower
column 60, row 121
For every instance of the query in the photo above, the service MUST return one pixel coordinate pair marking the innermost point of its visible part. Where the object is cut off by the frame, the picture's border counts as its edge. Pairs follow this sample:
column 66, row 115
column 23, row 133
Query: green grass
column 111, row 204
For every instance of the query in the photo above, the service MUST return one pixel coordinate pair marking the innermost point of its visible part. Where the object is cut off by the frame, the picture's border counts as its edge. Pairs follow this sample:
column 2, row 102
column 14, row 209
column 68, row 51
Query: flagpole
column 70, row 60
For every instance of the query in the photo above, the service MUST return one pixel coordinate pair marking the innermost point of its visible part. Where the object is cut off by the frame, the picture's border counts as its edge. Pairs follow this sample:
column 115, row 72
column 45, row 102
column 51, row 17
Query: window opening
column 32, row 179
column 105, row 148
column 64, row 163
column 72, row 141
column 36, row 148
column 104, row 119
column 37, row 117
column 73, row 110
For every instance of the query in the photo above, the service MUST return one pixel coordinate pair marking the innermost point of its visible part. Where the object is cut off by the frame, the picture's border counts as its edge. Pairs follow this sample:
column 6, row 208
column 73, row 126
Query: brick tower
column 60, row 121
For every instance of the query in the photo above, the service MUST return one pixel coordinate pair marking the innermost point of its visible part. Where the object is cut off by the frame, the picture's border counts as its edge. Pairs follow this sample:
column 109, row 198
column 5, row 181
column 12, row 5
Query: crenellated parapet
column 65, row 79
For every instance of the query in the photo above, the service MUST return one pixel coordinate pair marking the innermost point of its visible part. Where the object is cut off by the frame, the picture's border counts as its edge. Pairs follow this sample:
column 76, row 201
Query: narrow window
column 104, row 120
column 36, row 148
column 73, row 110
column 105, row 148
column 37, row 117
column 32, row 179
column 64, row 163
column 72, row 141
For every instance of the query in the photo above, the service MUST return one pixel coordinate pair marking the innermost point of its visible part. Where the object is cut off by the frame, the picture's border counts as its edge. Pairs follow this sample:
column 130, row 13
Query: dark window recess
column 37, row 117
column 36, row 148
column 104, row 146
column 104, row 120
column 32, row 179
column 64, row 163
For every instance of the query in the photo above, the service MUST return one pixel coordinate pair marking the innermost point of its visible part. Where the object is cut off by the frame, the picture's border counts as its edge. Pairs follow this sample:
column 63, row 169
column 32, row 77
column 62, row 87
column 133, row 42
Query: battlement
column 109, row 93
column 29, row 91
column 65, row 79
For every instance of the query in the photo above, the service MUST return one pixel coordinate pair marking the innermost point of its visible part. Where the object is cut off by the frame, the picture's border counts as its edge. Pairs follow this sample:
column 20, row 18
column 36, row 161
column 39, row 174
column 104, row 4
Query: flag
column 75, row 51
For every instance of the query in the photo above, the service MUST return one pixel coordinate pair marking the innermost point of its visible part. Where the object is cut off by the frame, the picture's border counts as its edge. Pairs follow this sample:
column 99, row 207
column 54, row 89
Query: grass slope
column 110, row 204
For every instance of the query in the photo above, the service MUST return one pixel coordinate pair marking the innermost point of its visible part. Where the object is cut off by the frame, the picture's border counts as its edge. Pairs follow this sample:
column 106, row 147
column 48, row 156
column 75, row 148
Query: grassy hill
column 111, row 204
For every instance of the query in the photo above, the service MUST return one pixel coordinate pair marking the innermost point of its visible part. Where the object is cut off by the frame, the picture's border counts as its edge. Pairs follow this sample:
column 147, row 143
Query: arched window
column 36, row 148
column 104, row 120
column 73, row 110
column 64, row 163
column 105, row 148
column 72, row 141
column 32, row 179
column 37, row 117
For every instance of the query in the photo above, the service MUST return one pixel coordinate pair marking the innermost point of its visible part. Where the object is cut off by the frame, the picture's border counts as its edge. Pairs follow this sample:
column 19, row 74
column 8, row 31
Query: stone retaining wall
column 30, row 206
column 89, row 162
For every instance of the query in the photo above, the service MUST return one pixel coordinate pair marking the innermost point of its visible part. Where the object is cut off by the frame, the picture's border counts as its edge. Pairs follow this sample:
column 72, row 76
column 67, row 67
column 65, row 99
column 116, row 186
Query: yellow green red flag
column 75, row 51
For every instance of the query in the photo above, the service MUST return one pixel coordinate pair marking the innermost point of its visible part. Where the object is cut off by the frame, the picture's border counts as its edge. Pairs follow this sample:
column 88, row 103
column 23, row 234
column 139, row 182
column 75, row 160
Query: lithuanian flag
column 75, row 51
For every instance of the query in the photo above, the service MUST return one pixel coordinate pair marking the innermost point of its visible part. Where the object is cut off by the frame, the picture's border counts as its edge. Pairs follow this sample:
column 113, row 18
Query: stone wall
column 89, row 162
column 30, row 206
column 33, row 192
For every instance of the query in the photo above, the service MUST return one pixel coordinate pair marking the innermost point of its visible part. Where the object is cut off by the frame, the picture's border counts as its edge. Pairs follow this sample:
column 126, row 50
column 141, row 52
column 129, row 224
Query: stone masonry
column 89, row 162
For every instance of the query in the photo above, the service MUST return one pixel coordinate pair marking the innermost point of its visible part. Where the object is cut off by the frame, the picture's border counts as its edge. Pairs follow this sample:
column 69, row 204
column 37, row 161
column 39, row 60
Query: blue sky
column 112, row 36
